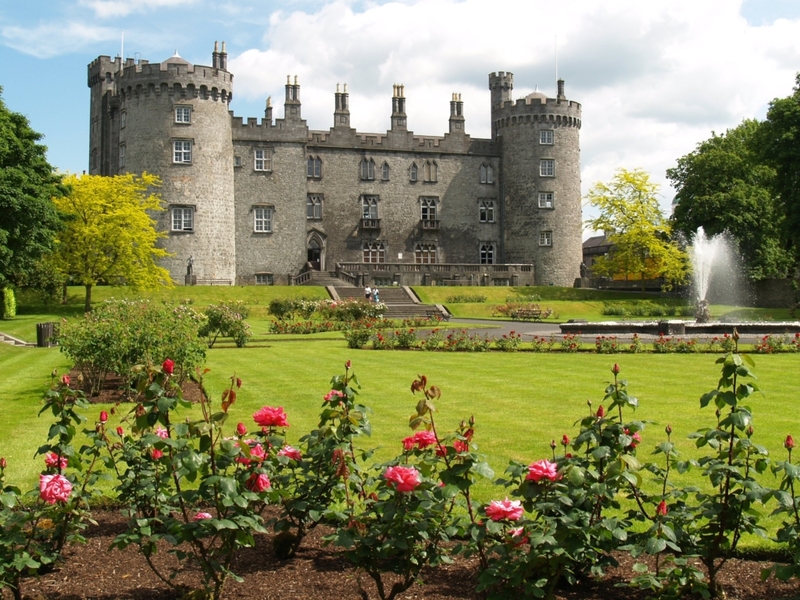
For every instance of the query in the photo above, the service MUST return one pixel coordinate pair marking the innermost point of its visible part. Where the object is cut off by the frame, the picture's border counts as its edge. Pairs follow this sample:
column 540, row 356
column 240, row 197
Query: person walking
column 375, row 295
column 368, row 293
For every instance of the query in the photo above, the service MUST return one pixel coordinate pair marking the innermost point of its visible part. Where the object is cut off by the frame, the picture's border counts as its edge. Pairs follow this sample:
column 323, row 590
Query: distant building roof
column 176, row 59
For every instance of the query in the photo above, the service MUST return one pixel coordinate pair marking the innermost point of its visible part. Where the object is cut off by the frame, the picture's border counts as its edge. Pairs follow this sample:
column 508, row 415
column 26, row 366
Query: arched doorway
column 316, row 251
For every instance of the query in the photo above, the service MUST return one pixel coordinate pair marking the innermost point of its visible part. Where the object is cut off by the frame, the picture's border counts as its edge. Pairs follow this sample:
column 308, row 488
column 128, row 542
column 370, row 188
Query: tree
column 725, row 185
column 780, row 146
column 636, row 228
column 28, row 217
column 109, row 235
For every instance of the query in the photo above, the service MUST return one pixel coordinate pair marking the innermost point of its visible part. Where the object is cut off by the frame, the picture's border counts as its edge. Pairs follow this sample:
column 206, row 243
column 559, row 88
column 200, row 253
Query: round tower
column 539, row 144
column 173, row 121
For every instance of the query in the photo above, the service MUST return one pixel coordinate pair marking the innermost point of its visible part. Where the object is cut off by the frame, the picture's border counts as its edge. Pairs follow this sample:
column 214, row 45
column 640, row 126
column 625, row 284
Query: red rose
column 601, row 412
column 403, row 479
column 565, row 440
column 103, row 416
column 168, row 366
column 241, row 429
column 270, row 416
column 789, row 443
column 661, row 509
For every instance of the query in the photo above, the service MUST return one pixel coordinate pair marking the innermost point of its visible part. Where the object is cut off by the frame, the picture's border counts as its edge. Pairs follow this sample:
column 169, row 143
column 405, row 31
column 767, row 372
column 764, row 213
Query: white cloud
column 52, row 39
column 109, row 9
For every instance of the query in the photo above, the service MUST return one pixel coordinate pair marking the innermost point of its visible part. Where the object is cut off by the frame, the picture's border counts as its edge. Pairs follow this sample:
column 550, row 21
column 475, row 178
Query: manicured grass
column 573, row 303
column 520, row 401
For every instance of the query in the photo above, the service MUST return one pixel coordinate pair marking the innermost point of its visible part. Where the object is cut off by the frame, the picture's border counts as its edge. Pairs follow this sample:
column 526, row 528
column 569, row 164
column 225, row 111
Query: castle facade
column 260, row 201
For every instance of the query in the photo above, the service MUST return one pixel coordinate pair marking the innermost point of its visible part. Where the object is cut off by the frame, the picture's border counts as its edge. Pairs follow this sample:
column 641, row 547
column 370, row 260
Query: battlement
column 537, row 109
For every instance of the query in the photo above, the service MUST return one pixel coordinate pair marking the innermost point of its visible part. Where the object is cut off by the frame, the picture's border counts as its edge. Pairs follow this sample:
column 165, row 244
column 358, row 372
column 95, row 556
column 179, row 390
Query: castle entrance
column 314, row 254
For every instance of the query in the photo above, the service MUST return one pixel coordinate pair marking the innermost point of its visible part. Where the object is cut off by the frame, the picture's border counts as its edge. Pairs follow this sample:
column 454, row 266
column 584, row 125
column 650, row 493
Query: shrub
column 434, row 340
column 571, row 342
column 357, row 338
column 607, row 344
column 465, row 298
column 405, row 338
column 8, row 309
column 543, row 344
column 226, row 319
column 118, row 335
column 509, row 343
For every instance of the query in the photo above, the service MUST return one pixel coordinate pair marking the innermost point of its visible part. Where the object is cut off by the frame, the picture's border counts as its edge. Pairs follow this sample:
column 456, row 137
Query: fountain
column 716, row 277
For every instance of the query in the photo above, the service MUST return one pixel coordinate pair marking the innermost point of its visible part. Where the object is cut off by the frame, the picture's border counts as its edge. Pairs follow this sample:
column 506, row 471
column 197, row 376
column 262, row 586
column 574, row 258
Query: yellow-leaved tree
column 640, row 236
column 109, row 233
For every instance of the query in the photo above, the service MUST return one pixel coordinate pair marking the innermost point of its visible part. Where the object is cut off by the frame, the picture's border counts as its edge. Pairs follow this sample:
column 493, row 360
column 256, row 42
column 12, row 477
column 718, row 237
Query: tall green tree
column 109, row 235
column 726, row 185
column 780, row 146
column 640, row 235
column 28, row 217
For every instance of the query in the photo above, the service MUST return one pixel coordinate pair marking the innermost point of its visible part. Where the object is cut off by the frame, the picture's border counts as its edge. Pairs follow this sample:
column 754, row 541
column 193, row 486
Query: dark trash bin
column 44, row 334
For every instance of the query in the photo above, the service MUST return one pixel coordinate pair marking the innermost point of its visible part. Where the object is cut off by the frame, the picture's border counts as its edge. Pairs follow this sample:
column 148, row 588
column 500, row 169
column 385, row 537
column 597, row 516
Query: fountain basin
column 677, row 327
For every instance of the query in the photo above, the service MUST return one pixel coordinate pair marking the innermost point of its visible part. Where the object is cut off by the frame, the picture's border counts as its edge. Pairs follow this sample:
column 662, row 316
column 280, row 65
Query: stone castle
column 270, row 201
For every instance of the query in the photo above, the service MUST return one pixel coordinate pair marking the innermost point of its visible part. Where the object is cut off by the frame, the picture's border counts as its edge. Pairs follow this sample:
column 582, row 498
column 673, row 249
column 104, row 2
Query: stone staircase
column 400, row 302
column 8, row 339
column 323, row 278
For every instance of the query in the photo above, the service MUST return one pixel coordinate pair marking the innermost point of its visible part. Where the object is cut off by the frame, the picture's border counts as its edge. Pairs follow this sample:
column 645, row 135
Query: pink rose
column 421, row 439
column 103, row 416
column 3, row 463
column 789, row 442
column 403, row 479
column 518, row 536
column 461, row 446
column 258, row 482
column 499, row 510
column 290, row 452
column 542, row 469
column 270, row 416
column 332, row 394
column 52, row 461
column 65, row 379
column 161, row 432
column 257, row 453
column 202, row 515
column 54, row 488
column 241, row 429
column 168, row 366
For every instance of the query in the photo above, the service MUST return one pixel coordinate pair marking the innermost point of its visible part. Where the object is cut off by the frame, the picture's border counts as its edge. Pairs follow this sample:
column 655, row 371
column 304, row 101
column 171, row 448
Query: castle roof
column 535, row 95
column 176, row 59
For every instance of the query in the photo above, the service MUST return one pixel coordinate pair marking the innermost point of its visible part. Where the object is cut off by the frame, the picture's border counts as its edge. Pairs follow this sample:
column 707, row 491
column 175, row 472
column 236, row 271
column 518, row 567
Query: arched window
column 430, row 172
column 487, row 174
column 385, row 172
column 486, row 211
column 314, row 206
column 487, row 253
column 428, row 206
column 412, row 173
column 314, row 167
column 373, row 252
column 367, row 169
column 369, row 206
column 425, row 254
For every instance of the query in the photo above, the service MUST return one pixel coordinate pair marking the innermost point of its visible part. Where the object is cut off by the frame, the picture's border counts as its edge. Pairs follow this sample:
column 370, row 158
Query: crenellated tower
column 538, row 139
column 172, row 119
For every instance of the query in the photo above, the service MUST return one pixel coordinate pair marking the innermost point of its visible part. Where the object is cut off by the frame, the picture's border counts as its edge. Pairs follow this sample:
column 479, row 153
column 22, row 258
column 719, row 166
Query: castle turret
column 341, row 114
column 399, row 119
column 456, row 114
column 539, row 146
column 171, row 119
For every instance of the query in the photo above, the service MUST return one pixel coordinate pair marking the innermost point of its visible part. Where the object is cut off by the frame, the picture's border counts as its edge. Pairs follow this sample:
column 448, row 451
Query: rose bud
column 3, row 463
column 65, row 379
column 168, row 366
column 241, row 429
column 553, row 444
column 565, row 440
column 662, row 509
column 668, row 429
column 749, row 431
column 615, row 369
column 103, row 416
column 120, row 431
column 347, row 365
column 601, row 412
column 789, row 443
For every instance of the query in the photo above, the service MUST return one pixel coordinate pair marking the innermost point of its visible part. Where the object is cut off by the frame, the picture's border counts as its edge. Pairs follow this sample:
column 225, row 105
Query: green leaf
column 655, row 545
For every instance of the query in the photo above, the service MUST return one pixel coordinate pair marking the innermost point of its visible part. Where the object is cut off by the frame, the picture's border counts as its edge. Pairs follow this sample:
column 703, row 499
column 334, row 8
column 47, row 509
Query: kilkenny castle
column 260, row 201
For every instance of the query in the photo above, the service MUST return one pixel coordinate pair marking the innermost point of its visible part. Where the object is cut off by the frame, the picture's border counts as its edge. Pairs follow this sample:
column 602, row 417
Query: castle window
column 428, row 206
column 487, row 253
column 486, row 211
column 545, row 238
column 237, row 161
column 546, row 199
column 385, row 172
column 425, row 254
column 123, row 119
column 262, row 219
column 314, row 167
column 547, row 167
column 412, row 173
column 183, row 114
column 182, row 151
column 367, row 169
column 182, row 218
column 369, row 207
column 546, row 137
column 430, row 171
column 373, row 252
column 122, row 156
column 265, row 279
column 314, row 206
column 263, row 159
column 487, row 174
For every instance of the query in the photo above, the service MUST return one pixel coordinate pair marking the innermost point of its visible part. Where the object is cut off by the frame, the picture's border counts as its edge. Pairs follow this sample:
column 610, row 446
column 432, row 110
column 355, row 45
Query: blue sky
column 654, row 77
